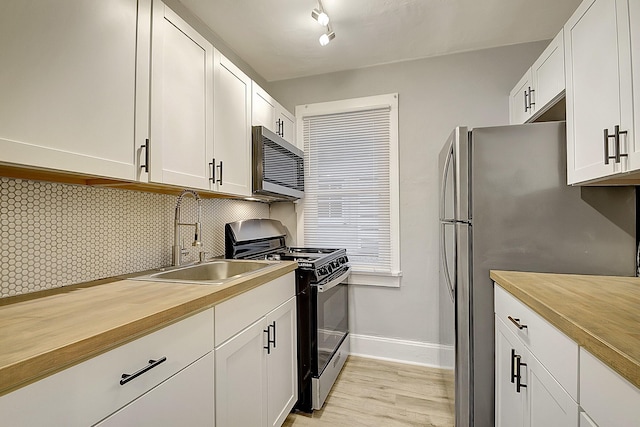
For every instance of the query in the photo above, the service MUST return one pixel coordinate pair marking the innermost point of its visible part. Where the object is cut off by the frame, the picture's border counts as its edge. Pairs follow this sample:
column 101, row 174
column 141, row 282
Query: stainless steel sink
column 209, row 273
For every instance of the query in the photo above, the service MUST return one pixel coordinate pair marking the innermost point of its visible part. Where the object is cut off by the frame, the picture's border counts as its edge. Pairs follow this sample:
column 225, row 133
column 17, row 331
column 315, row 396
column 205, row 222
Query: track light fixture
column 327, row 37
column 323, row 19
column 320, row 16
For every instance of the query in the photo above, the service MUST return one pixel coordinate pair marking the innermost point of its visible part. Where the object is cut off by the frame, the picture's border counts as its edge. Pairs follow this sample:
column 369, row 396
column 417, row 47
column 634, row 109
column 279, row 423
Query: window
column 351, row 184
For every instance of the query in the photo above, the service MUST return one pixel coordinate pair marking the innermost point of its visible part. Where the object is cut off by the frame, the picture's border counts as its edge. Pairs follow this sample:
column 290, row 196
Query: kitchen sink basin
column 209, row 273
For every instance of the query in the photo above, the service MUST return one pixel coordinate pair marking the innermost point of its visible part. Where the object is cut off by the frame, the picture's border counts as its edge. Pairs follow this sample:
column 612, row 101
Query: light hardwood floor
column 374, row 393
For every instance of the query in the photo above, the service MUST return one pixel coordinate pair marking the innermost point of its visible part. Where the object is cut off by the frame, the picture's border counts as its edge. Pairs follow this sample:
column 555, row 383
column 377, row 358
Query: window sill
column 387, row 280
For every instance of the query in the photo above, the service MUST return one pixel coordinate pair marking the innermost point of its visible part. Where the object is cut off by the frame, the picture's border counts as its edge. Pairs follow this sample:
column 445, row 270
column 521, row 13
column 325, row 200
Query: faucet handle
column 183, row 249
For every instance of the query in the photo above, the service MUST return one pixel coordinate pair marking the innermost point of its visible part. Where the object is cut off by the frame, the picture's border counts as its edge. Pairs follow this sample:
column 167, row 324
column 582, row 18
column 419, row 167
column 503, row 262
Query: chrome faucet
column 178, row 250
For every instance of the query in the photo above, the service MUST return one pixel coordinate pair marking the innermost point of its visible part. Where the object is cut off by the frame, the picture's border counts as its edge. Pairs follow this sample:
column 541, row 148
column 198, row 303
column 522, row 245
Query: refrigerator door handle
column 445, row 263
column 443, row 189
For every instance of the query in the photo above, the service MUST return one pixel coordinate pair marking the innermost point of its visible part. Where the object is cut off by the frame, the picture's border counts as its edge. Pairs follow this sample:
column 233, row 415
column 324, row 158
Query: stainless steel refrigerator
column 504, row 204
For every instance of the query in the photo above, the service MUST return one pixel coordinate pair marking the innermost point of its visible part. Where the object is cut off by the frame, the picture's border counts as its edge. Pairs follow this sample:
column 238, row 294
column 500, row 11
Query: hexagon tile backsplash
column 53, row 235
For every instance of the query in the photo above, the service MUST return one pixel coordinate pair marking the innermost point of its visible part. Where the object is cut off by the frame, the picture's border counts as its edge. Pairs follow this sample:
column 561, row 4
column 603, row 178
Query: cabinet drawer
column 159, row 407
column 609, row 399
column 557, row 352
column 88, row 392
column 235, row 314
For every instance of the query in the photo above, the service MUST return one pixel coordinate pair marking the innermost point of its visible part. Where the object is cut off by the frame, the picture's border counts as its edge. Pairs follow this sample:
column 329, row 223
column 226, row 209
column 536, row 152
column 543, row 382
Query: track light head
column 320, row 16
column 326, row 38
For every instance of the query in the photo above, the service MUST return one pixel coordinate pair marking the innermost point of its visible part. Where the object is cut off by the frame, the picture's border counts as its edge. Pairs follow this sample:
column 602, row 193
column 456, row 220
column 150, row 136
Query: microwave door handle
column 334, row 282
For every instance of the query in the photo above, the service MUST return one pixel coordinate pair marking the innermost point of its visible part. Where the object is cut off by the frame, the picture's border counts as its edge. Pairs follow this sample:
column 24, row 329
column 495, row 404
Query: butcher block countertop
column 600, row 313
column 43, row 333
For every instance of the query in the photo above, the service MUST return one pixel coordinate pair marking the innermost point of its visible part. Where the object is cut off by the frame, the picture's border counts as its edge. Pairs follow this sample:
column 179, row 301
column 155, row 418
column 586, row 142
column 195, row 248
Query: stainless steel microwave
column 278, row 166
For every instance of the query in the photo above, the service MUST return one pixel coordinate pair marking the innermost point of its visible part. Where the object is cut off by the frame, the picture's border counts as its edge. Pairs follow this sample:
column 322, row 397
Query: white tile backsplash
column 53, row 235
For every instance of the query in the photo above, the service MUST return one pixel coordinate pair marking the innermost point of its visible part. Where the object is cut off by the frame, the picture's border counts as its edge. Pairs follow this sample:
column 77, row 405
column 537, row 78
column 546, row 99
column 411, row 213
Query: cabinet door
column 240, row 377
column 598, row 93
column 608, row 398
column 547, row 74
column 263, row 108
column 181, row 138
column 549, row 404
column 509, row 410
column 68, row 84
column 282, row 363
column 232, row 128
column 519, row 108
column 184, row 399
column 634, row 20
column 287, row 125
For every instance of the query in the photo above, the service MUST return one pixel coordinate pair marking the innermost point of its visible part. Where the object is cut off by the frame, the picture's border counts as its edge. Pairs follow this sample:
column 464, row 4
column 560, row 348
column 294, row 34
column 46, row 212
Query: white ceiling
column 279, row 39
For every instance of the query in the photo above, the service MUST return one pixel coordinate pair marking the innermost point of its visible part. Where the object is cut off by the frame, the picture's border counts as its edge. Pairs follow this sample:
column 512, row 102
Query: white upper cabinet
column 541, row 86
column 519, row 106
column 263, row 108
column 267, row 112
column 68, row 82
column 634, row 29
column 547, row 74
column 599, row 90
column 286, row 125
column 181, row 135
column 232, row 128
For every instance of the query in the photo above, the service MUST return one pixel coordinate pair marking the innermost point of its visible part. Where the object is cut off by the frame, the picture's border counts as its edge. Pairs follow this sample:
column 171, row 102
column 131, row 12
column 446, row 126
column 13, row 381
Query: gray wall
column 435, row 95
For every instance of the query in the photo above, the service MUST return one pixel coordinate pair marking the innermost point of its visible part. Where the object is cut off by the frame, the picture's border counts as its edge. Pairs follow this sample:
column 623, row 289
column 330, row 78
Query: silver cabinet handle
column 220, row 179
column 616, row 138
column 516, row 322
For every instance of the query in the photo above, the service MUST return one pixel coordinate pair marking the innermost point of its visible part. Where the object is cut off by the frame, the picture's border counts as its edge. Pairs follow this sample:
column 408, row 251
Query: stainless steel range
column 321, row 298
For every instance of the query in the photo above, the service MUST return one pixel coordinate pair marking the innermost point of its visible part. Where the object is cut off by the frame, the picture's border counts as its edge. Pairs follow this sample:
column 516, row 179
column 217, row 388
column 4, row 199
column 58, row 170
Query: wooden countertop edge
column 20, row 374
column 620, row 362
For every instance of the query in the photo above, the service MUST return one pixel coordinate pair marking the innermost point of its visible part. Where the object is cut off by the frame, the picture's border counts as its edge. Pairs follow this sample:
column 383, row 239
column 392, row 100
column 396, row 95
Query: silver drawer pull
column 516, row 322
column 152, row 364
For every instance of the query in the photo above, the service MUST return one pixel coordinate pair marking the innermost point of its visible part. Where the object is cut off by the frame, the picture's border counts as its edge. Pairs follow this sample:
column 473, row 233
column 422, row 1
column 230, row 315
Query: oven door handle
column 325, row 287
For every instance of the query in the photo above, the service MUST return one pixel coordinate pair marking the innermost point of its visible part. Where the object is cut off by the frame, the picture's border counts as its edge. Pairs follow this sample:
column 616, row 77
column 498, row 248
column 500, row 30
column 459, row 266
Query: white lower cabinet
column 607, row 399
column 240, row 381
column 256, row 367
column 509, row 402
column 184, row 399
column 549, row 405
column 92, row 390
column 526, row 392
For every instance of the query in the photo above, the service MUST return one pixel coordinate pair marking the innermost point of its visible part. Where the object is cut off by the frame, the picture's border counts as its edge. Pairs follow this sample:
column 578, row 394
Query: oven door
column 332, row 318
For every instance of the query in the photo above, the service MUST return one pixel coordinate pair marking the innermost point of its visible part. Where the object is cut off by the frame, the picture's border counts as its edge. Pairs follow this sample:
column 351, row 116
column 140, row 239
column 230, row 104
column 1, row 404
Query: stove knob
column 329, row 269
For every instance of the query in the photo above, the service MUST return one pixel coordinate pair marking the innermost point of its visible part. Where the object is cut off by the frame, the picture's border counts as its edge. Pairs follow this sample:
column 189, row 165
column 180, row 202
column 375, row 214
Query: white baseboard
column 403, row 351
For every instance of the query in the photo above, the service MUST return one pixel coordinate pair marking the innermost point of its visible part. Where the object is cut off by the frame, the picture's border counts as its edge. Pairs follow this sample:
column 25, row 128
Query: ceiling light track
column 323, row 19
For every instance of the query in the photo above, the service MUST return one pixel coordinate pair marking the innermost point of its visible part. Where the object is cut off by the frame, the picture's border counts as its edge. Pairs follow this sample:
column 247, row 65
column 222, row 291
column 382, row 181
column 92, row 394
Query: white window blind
column 349, row 186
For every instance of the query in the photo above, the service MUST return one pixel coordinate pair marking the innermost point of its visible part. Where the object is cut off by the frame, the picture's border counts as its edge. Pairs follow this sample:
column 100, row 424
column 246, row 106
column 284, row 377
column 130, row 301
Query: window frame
column 392, row 279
